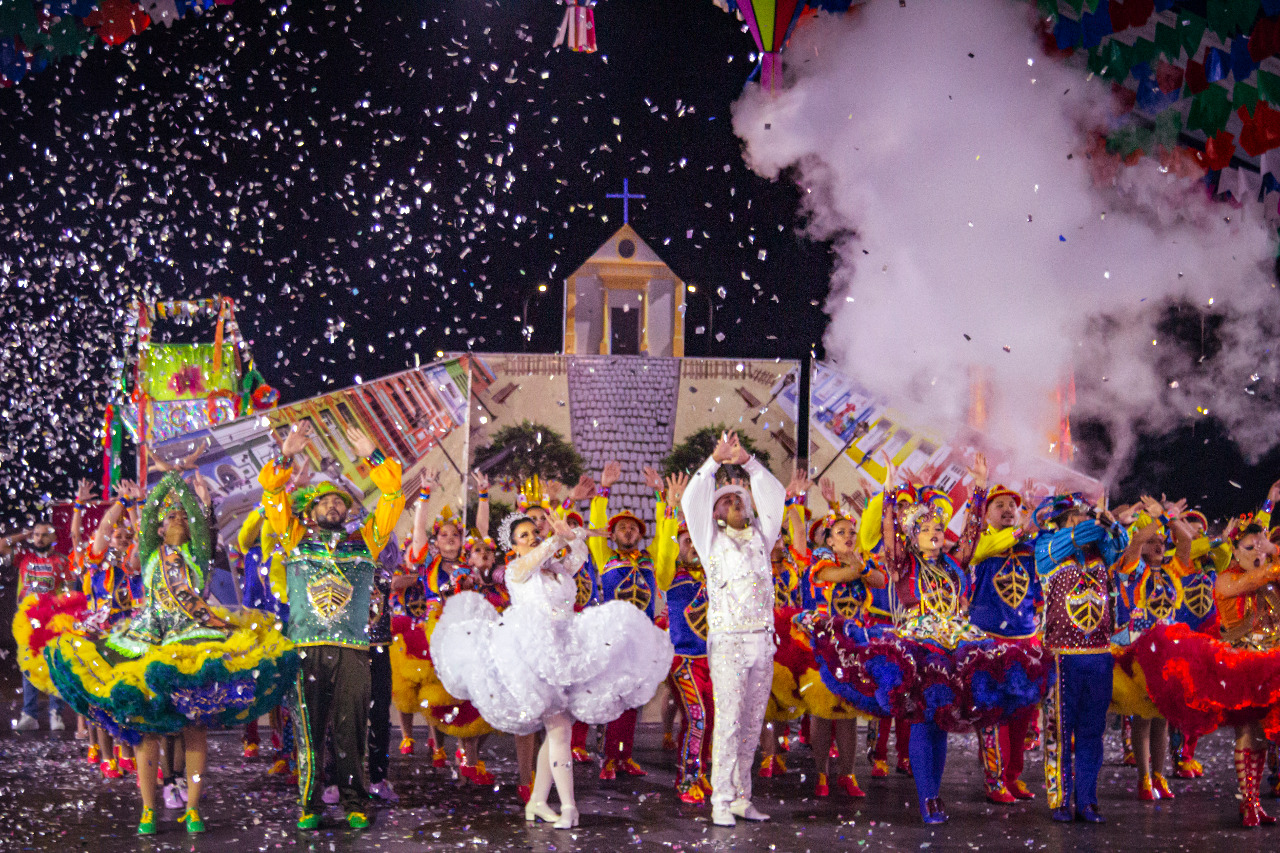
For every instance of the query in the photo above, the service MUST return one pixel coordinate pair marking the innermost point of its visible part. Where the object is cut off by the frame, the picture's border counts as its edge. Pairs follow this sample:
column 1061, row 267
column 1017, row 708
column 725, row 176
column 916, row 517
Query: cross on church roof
column 626, row 196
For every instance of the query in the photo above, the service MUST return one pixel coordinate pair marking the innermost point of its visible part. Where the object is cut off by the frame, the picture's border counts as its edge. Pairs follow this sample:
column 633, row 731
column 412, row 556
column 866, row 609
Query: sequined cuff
column 602, row 492
column 375, row 458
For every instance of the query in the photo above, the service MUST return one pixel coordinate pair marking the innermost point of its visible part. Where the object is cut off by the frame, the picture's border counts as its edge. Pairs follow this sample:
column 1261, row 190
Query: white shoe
column 330, row 795
column 26, row 723
column 383, row 791
column 55, row 722
column 746, row 811
column 721, row 816
column 568, row 818
column 534, row 812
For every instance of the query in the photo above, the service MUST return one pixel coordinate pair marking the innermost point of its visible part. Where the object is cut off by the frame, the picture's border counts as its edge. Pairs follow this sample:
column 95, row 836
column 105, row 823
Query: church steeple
column 624, row 300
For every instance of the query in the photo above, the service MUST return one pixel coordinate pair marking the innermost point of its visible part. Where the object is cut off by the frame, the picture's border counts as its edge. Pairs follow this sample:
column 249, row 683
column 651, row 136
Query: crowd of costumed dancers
column 775, row 624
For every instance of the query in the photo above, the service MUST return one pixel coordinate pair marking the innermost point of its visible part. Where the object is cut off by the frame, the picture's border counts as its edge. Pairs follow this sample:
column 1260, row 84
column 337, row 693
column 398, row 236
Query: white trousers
column 741, row 676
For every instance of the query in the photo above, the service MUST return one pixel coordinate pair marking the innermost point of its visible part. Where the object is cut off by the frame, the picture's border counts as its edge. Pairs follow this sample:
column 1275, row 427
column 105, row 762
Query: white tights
column 555, row 762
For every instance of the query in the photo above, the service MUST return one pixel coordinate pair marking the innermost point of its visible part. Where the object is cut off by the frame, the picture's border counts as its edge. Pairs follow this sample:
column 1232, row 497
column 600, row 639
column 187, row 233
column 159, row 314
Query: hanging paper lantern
column 578, row 26
column 770, row 23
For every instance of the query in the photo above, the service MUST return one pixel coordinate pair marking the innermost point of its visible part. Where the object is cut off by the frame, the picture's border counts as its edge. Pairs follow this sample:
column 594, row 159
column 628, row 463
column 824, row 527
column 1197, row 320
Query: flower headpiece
column 1245, row 521
column 472, row 541
column 508, row 525
column 446, row 516
column 819, row 529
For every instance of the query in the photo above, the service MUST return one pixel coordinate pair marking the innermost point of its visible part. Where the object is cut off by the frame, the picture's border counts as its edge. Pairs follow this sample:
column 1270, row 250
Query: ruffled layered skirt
column 40, row 619
column 415, row 686
column 1197, row 682
column 523, row 665
column 209, row 682
column 954, row 683
column 798, row 688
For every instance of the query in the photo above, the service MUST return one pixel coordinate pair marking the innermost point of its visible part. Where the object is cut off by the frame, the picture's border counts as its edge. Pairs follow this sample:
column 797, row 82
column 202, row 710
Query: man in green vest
column 329, row 576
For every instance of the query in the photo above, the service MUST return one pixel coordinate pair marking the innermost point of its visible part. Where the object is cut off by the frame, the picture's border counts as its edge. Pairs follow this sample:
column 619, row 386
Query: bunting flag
column 37, row 33
column 1202, row 76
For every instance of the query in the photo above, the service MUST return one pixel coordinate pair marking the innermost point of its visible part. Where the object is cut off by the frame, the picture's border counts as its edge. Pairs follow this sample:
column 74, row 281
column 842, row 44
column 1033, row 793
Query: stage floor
column 54, row 801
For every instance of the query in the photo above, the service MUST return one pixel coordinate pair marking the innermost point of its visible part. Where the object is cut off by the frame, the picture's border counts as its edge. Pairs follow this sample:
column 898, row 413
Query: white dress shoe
column 746, row 811
column 721, row 816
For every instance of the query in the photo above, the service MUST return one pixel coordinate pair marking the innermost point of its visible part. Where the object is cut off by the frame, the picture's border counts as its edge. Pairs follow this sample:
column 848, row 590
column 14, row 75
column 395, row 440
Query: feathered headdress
column 1055, row 506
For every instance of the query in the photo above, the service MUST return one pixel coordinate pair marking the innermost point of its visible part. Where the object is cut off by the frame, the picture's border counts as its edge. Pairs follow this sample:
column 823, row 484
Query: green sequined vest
column 330, row 576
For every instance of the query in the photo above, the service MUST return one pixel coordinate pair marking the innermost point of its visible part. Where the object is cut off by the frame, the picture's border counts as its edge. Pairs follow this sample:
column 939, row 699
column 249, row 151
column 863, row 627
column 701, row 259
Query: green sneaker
column 147, row 824
column 309, row 821
column 358, row 820
column 191, row 818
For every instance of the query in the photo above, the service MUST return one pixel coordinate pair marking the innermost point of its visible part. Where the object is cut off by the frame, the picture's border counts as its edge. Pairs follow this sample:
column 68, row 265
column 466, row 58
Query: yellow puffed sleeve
column 601, row 553
column 664, row 548
column 276, row 506
column 382, row 521
column 870, row 526
column 250, row 531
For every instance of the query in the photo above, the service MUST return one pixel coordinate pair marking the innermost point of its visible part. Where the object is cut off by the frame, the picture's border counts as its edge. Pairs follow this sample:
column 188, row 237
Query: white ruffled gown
column 539, row 657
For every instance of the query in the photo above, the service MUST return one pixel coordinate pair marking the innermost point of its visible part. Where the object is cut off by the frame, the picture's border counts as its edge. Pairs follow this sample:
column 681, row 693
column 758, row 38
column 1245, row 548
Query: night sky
column 377, row 180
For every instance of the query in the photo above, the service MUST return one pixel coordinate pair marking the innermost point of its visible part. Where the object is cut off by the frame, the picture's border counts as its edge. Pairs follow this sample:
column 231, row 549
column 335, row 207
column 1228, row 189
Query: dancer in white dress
column 539, row 664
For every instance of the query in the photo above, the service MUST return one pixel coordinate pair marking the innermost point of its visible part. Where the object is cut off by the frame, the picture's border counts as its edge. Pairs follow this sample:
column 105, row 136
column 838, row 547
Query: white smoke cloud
column 945, row 157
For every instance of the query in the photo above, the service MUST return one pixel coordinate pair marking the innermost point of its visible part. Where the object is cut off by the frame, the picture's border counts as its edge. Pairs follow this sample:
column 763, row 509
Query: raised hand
column 583, row 489
column 554, row 490
column 676, row 485
column 201, row 488
column 890, row 472
column 979, row 471
column 800, row 483
column 612, row 471
column 361, row 443
column 479, row 478
column 724, row 448
column 296, row 442
column 652, row 479
column 559, row 526
column 740, row 455
column 1273, row 494
column 84, row 492
column 828, row 490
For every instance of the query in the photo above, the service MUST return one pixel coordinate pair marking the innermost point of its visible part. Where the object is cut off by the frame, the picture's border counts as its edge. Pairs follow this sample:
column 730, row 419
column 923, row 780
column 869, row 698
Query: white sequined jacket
column 739, row 572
